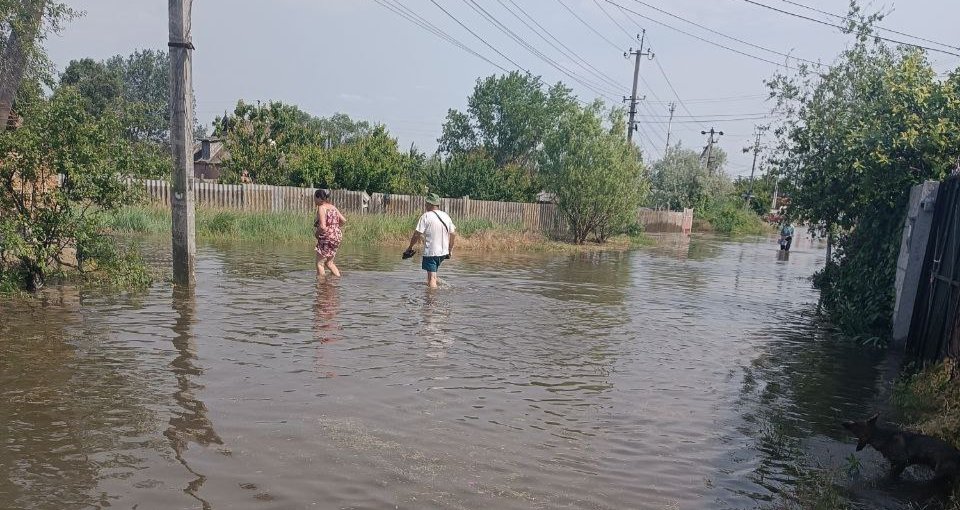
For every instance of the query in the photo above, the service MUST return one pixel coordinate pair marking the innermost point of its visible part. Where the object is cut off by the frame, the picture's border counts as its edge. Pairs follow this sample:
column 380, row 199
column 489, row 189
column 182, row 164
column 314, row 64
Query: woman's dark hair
column 322, row 194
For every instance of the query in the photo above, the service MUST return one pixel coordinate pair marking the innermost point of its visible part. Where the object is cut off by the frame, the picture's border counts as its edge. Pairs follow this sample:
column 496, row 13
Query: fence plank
column 544, row 218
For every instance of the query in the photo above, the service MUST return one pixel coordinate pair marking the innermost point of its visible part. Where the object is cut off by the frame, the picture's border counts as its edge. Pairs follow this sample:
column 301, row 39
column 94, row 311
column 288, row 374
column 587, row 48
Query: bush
column 595, row 175
column 41, row 218
column 732, row 216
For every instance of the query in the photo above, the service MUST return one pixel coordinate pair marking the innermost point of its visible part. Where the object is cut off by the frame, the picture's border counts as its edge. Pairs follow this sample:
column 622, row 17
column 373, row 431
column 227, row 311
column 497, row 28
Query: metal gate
column 935, row 326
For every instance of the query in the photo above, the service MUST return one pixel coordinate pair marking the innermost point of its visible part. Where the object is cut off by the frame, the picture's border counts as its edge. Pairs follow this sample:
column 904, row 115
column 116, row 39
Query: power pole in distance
column 756, row 150
column 181, row 142
column 631, row 126
column 710, row 141
column 673, row 107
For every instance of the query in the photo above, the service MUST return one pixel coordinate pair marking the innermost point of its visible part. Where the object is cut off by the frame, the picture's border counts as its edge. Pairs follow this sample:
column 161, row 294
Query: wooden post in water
column 181, row 141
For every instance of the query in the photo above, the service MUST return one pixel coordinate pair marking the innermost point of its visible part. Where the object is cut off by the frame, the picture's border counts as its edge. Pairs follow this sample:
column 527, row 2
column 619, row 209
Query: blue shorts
column 432, row 264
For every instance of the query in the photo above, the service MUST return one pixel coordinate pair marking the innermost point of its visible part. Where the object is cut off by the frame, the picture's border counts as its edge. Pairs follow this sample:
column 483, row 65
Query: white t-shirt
column 436, row 241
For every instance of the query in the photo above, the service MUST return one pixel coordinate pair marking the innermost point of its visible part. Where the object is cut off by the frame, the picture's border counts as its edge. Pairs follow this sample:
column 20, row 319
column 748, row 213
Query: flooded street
column 693, row 375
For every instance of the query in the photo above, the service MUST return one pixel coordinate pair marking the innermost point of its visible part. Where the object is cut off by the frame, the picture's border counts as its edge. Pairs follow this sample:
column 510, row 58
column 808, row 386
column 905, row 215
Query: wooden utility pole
column 181, row 142
column 756, row 150
column 13, row 63
column 710, row 141
column 673, row 107
column 634, row 100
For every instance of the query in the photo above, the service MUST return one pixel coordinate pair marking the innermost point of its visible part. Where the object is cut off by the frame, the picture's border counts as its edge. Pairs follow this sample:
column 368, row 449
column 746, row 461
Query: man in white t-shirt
column 438, row 233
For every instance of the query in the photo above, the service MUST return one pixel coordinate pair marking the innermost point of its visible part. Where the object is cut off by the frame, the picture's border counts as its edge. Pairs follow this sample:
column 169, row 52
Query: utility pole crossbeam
column 710, row 141
column 634, row 100
column 181, row 142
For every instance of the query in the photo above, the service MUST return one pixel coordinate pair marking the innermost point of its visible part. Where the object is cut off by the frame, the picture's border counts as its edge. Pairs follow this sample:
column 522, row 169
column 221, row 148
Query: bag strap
column 442, row 222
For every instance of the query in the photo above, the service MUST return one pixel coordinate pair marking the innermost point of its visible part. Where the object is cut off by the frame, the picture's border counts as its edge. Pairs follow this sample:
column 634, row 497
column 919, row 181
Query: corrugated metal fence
column 543, row 218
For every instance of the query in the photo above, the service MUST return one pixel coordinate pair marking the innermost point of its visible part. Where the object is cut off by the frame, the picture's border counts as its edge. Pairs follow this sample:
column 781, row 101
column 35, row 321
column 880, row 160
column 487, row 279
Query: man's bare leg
column 431, row 280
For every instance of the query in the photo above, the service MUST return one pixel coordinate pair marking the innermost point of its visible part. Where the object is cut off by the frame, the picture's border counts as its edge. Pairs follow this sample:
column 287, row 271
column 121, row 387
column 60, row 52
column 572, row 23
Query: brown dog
column 905, row 449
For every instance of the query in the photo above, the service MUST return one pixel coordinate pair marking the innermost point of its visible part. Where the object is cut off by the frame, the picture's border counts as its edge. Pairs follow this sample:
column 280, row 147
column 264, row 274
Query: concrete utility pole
column 673, row 107
column 634, row 100
column 13, row 63
column 181, row 141
column 710, row 141
column 756, row 150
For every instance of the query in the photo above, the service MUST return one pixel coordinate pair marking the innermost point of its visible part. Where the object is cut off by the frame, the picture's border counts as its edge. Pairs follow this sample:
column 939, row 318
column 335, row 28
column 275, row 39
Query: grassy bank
column 731, row 217
column 219, row 225
column 928, row 402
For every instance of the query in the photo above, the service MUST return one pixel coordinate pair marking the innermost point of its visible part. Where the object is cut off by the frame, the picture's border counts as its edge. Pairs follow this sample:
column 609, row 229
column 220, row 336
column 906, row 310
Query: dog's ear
column 873, row 419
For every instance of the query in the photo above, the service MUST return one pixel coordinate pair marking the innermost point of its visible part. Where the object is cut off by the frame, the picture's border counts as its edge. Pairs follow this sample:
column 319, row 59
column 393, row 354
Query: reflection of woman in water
column 327, row 230
column 325, row 310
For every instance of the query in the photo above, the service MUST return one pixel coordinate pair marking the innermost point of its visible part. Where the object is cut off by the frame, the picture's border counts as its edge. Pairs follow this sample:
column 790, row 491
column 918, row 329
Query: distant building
column 546, row 198
column 208, row 155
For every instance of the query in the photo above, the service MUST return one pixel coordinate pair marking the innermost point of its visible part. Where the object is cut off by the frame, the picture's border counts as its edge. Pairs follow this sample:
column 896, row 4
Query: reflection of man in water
column 435, row 315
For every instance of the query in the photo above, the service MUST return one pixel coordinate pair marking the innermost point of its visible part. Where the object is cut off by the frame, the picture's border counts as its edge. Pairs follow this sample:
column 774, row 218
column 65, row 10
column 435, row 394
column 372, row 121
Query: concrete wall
column 913, row 249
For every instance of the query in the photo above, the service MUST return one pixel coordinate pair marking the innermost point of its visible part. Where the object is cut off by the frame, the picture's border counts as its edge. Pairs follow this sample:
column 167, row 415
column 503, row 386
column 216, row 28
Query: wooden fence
column 543, row 218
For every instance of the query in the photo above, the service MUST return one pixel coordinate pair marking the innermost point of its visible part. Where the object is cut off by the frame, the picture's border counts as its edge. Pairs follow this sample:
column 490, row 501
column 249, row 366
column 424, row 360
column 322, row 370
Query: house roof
column 217, row 151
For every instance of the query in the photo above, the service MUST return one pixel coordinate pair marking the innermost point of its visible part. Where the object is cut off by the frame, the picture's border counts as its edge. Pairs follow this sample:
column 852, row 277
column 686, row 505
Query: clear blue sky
column 357, row 57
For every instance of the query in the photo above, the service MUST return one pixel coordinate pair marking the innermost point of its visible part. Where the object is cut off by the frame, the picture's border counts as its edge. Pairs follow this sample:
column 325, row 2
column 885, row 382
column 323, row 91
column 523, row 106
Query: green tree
column 137, row 87
column 595, row 175
column 280, row 144
column 759, row 192
column 371, row 163
column 855, row 138
column 38, row 217
column 475, row 174
column 507, row 119
column 681, row 179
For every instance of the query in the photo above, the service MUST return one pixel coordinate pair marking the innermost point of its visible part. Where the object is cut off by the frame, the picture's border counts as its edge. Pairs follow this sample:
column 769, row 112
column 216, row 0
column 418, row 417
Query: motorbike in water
column 785, row 242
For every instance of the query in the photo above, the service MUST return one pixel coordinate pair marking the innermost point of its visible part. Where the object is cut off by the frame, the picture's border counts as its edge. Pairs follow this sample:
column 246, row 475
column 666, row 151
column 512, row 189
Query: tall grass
column 473, row 234
column 214, row 224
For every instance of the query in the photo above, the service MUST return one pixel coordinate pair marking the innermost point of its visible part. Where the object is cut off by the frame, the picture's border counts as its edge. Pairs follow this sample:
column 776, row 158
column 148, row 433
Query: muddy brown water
column 693, row 375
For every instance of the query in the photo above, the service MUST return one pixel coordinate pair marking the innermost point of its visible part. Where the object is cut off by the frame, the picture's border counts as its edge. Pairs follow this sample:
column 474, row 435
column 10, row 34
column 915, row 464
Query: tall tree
column 681, row 179
column 855, row 138
column 595, row 175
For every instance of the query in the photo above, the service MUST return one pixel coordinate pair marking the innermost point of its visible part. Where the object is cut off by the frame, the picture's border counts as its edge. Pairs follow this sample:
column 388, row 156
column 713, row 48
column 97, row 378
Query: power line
column 562, row 48
column 715, row 115
column 593, row 86
column 815, row 20
column 674, row 90
column 721, row 34
column 614, row 20
column 709, row 120
column 708, row 41
column 588, row 25
column 484, row 41
column 726, row 99
column 890, row 30
column 429, row 27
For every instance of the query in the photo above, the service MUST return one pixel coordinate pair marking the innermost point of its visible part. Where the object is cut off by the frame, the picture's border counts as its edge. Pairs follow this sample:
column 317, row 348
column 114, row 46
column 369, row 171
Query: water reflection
column 189, row 424
column 596, row 380
column 325, row 326
column 436, row 311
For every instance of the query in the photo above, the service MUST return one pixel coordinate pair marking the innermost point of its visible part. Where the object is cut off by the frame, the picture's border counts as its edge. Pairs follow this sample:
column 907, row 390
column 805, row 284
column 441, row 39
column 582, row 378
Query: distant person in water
column 328, row 232
column 438, row 233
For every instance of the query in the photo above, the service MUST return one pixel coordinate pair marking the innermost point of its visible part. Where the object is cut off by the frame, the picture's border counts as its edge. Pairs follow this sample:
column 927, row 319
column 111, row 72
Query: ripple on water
column 665, row 379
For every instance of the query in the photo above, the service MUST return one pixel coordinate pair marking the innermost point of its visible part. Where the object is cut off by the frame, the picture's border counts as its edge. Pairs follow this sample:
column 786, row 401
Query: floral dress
column 329, row 240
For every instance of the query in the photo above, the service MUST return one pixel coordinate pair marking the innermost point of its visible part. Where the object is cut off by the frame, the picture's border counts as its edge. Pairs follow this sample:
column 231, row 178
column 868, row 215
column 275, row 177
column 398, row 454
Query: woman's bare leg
column 320, row 271
column 332, row 267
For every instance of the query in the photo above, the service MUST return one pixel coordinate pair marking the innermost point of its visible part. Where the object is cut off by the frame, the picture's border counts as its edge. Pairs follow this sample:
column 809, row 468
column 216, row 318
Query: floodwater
column 693, row 375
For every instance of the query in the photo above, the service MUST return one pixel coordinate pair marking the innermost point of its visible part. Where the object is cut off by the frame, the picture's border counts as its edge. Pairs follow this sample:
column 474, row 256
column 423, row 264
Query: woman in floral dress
column 328, row 232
